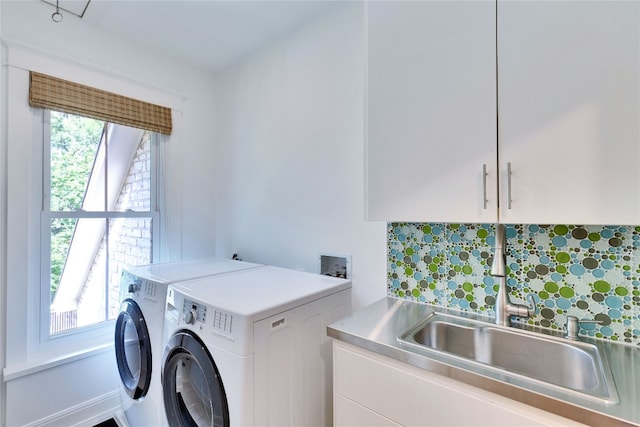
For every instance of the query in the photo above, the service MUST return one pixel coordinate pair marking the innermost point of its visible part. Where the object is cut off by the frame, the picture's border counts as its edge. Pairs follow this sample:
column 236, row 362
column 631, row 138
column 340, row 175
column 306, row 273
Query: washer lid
column 261, row 292
column 171, row 272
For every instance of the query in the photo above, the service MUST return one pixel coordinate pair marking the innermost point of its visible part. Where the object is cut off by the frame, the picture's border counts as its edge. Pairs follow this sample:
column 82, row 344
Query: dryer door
column 133, row 350
column 193, row 391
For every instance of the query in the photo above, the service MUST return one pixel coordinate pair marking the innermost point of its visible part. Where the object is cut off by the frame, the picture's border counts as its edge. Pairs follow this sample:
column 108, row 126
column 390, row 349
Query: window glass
column 99, row 183
column 74, row 142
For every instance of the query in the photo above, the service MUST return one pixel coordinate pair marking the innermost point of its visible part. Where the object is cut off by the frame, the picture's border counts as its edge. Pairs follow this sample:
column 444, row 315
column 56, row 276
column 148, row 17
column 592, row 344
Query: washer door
column 193, row 391
column 133, row 350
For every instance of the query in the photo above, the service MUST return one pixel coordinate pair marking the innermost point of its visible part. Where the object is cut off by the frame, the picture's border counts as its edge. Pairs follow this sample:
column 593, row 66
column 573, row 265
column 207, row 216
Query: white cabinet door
column 569, row 113
column 431, row 111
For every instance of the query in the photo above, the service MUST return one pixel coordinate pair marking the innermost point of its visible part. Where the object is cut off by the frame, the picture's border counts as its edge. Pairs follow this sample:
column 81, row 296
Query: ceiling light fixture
column 57, row 16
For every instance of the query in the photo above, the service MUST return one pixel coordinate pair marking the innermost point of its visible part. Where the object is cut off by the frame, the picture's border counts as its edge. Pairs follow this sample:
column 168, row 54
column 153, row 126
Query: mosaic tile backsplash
column 591, row 272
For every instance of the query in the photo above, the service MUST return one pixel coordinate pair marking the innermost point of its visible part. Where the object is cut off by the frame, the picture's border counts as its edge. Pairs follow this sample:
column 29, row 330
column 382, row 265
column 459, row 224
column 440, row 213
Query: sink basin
column 572, row 367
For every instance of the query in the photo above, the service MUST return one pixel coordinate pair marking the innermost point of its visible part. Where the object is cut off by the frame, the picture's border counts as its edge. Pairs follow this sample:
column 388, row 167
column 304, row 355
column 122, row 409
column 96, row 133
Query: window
column 36, row 214
column 99, row 213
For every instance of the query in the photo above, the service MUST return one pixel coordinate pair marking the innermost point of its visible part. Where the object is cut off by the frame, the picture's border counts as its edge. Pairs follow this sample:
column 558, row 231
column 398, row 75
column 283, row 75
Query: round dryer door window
column 133, row 350
column 193, row 391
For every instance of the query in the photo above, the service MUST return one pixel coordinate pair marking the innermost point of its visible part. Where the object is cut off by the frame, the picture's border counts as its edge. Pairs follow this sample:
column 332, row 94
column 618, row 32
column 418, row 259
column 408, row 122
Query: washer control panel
column 193, row 312
column 129, row 284
column 185, row 311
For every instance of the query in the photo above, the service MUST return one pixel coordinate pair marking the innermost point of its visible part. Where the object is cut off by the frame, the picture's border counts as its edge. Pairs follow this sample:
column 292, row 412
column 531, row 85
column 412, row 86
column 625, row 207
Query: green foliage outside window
column 74, row 144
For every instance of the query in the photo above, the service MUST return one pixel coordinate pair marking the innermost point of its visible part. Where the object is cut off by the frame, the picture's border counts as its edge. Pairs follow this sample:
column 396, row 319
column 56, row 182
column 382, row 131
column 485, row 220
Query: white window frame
column 45, row 230
column 25, row 352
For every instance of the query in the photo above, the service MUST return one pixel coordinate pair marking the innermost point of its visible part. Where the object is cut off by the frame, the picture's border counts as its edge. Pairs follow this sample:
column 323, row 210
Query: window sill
column 30, row 367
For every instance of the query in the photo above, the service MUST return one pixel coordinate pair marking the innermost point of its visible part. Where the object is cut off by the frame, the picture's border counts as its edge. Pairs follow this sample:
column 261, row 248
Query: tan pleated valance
column 52, row 93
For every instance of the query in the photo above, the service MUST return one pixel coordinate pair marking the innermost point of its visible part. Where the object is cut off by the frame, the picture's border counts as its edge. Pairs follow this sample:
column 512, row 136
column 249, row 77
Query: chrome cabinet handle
column 509, row 185
column 484, row 186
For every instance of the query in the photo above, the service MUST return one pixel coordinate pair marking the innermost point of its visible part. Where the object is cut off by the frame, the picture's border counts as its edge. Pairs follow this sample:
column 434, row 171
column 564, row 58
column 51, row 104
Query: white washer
column 251, row 349
column 139, row 328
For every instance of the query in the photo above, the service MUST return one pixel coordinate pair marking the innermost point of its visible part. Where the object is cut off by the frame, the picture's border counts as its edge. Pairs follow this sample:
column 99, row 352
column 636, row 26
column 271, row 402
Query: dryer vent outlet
column 335, row 265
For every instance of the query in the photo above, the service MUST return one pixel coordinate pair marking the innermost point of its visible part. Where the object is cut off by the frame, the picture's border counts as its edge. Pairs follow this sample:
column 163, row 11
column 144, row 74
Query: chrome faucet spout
column 498, row 268
column 504, row 307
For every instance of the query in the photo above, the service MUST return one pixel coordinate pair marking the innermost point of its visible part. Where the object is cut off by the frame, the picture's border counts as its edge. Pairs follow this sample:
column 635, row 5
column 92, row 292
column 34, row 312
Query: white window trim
column 25, row 351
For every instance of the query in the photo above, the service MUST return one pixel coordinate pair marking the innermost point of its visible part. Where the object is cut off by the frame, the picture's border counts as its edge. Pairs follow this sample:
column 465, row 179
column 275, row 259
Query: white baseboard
column 87, row 414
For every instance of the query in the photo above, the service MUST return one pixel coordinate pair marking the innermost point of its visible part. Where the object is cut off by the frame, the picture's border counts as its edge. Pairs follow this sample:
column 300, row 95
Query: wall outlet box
column 335, row 265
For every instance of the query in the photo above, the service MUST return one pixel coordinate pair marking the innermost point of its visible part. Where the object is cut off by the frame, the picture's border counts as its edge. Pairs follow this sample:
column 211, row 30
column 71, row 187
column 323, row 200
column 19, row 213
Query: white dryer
column 251, row 349
column 139, row 328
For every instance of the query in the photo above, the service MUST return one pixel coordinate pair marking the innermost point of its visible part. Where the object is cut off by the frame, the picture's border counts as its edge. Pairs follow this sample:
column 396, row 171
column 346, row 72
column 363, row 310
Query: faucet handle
column 573, row 326
column 531, row 310
column 521, row 310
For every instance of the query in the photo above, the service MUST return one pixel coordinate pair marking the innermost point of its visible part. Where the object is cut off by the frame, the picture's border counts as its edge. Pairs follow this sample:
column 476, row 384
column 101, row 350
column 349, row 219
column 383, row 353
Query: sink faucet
column 504, row 307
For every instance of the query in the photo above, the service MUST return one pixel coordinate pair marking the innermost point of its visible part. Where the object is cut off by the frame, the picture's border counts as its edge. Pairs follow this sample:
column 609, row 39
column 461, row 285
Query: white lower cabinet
column 373, row 390
column 349, row 413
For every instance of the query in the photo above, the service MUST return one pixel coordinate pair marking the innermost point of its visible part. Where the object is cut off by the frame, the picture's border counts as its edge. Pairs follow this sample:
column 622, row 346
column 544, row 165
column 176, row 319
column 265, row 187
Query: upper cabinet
column 566, row 148
column 569, row 113
column 431, row 119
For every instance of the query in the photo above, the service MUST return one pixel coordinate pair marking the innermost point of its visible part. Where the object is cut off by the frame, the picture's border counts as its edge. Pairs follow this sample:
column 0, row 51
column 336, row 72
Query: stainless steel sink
column 573, row 367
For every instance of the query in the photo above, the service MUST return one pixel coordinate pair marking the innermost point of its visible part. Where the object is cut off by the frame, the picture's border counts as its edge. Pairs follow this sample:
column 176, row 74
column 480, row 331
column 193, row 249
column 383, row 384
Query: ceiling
column 209, row 34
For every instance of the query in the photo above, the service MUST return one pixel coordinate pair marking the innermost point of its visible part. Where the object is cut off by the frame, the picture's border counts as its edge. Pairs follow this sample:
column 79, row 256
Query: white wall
column 51, row 395
column 290, row 154
column 80, row 393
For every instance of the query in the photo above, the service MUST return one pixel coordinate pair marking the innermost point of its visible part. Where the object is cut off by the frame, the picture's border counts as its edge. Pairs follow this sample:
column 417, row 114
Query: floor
column 109, row 423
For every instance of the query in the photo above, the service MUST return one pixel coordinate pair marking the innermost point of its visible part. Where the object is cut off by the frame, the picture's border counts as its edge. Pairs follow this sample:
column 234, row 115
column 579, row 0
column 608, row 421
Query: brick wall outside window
column 130, row 241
